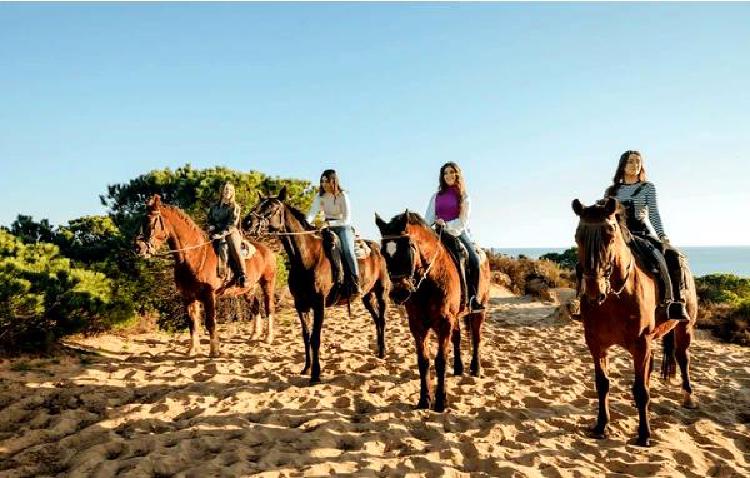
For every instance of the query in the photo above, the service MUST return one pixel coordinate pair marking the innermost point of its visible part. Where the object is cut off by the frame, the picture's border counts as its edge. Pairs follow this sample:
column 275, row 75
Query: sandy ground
column 139, row 407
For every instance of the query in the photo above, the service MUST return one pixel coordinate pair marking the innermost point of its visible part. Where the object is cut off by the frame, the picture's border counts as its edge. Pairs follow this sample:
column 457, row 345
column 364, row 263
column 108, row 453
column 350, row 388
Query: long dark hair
column 330, row 175
column 459, row 185
column 619, row 177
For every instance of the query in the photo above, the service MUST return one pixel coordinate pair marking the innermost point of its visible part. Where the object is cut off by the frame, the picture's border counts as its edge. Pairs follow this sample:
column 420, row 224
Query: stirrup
column 677, row 311
column 475, row 306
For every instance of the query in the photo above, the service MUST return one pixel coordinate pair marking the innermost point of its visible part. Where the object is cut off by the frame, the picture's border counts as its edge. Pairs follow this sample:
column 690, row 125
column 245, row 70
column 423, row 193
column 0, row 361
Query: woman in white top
column 334, row 202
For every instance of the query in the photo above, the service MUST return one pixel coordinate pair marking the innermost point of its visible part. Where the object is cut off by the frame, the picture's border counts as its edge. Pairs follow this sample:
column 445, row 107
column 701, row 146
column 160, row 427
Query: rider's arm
column 653, row 211
column 314, row 209
column 429, row 215
column 233, row 219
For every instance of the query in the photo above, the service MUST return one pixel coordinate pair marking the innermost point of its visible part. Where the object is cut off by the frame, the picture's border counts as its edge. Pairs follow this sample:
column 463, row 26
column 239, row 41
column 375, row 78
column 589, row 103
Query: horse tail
column 668, row 363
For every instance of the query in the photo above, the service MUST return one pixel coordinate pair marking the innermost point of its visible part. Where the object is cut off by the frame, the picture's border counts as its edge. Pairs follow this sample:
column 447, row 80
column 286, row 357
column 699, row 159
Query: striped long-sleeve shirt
column 643, row 197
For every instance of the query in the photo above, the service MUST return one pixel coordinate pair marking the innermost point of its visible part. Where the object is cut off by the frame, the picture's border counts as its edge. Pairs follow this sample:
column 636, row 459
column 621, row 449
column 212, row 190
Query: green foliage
column 44, row 297
column 568, row 259
column 194, row 190
column 722, row 289
column 84, row 276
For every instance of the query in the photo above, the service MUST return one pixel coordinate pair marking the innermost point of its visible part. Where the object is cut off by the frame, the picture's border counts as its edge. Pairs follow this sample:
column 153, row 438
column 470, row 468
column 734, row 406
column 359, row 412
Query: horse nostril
column 601, row 298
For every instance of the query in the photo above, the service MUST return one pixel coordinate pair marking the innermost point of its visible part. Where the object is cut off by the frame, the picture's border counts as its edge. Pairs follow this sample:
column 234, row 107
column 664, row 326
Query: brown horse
column 195, row 268
column 619, row 307
column 310, row 275
column 426, row 281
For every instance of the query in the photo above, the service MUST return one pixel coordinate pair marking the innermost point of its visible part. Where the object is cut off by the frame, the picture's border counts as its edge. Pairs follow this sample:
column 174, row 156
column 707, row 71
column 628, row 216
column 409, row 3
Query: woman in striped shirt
column 638, row 197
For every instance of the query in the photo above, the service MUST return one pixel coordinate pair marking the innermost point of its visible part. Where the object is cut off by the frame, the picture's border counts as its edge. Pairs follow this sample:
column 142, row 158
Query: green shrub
column 43, row 297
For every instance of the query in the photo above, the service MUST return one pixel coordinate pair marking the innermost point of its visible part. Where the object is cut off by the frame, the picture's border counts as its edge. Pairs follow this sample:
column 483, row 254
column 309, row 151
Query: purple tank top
column 447, row 205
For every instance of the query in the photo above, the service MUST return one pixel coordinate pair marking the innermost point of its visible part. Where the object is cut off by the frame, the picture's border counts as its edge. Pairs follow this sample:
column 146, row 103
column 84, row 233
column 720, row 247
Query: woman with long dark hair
column 638, row 197
column 449, row 209
column 334, row 202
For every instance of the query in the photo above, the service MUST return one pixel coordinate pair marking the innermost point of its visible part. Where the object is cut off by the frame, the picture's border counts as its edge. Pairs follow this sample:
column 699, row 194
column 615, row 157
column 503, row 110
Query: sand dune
column 139, row 407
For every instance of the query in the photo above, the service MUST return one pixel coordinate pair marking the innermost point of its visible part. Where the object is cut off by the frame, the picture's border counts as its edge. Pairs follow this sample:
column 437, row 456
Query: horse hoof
column 689, row 403
column 598, row 434
column 458, row 372
column 269, row 339
column 643, row 442
column 423, row 405
column 439, row 407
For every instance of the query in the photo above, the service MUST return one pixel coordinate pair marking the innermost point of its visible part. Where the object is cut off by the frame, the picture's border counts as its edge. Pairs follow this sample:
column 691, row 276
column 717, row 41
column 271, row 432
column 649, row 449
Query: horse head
column 267, row 216
column 599, row 238
column 153, row 229
column 400, row 245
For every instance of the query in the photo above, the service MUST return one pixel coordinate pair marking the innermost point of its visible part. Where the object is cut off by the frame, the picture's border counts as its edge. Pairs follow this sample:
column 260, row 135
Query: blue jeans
column 346, row 237
column 473, row 269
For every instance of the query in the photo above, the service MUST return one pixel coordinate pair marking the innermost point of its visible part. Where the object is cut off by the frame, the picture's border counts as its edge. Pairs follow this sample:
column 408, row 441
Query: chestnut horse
column 619, row 307
column 310, row 275
column 426, row 281
column 195, row 268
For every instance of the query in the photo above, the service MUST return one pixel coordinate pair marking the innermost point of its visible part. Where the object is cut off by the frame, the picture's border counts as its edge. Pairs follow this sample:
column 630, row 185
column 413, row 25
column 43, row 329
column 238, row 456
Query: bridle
column 410, row 277
column 595, row 273
column 263, row 224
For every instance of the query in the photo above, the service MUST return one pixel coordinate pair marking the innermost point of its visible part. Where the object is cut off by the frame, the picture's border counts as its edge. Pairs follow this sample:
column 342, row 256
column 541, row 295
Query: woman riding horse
column 449, row 208
column 334, row 202
column 223, row 226
column 638, row 197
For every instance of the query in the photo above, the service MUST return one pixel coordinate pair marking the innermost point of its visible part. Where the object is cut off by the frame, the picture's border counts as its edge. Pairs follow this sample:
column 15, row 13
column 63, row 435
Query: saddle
column 460, row 257
column 648, row 253
column 247, row 250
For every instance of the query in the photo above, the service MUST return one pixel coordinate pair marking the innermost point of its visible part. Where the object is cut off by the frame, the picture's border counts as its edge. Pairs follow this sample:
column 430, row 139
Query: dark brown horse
column 619, row 307
column 195, row 268
column 310, row 275
column 426, row 281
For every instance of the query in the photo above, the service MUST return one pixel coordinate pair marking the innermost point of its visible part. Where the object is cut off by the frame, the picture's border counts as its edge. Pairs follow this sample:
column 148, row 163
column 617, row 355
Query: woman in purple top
column 449, row 208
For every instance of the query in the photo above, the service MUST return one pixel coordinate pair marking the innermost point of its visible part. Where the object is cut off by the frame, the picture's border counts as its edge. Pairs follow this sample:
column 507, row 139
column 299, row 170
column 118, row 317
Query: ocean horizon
column 703, row 259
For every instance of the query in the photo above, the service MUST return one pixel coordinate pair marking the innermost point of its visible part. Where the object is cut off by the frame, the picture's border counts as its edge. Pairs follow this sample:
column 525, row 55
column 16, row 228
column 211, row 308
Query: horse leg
column 304, row 320
column 269, row 307
column 209, row 302
column 318, row 316
column 684, row 335
column 641, row 362
column 444, row 338
column 458, row 364
column 380, row 294
column 254, row 307
column 368, row 300
column 423, row 361
column 602, row 389
column 194, row 316
column 477, row 321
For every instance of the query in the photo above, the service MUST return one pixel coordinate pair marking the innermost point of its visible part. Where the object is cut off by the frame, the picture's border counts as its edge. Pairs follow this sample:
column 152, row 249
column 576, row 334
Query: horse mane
column 590, row 234
column 300, row 216
column 192, row 226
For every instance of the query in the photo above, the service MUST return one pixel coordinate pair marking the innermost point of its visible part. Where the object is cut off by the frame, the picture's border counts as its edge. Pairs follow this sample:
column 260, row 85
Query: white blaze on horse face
column 390, row 248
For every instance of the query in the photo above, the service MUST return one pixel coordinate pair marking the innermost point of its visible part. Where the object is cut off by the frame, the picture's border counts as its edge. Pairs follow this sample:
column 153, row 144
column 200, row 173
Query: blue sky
column 535, row 101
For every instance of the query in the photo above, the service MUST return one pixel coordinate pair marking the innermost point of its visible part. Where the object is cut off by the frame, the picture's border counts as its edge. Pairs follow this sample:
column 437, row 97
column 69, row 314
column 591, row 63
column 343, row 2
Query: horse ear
column 260, row 196
column 380, row 222
column 577, row 207
column 282, row 194
column 154, row 201
column 611, row 206
column 404, row 220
